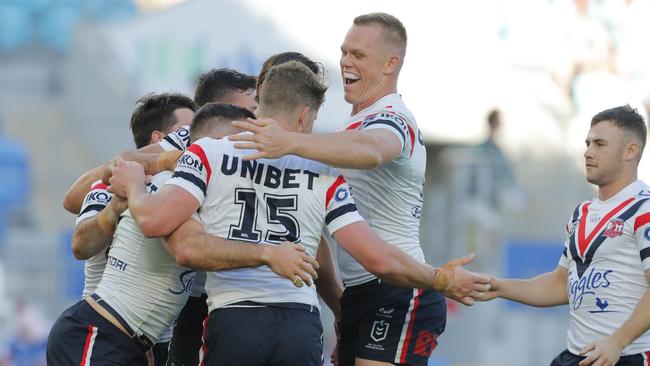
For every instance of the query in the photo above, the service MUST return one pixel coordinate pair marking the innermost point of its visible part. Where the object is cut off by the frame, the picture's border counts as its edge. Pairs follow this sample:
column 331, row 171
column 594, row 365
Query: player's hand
column 268, row 138
column 290, row 261
column 118, row 205
column 125, row 175
column 465, row 286
column 334, row 358
column 604, row 352
column 494, row 291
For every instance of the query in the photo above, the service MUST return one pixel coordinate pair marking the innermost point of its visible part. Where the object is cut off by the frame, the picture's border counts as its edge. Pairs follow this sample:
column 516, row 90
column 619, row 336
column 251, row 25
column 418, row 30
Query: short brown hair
column 627, row 119
column 395, row 31
column 155, row 112
column 290, row 85
column 283, row 57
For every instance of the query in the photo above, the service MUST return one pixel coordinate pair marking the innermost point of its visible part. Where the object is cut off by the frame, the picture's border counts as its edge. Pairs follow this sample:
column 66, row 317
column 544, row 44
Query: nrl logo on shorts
column 379, row 330
column 614, row 228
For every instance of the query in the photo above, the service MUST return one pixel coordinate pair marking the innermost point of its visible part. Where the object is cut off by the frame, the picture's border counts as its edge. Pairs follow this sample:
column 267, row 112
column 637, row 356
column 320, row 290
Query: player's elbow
column 70, row 204
column 152, row 227
column 378, row 266
column 78, row 249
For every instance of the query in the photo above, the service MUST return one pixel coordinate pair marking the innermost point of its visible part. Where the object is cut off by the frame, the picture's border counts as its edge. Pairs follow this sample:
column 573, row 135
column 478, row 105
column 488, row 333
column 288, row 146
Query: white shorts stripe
column 407, row 322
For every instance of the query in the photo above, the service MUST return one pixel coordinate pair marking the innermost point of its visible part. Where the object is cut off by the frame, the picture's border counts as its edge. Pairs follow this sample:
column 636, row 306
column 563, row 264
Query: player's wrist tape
column 443, row 278
column 167, row 159
column 103, row 222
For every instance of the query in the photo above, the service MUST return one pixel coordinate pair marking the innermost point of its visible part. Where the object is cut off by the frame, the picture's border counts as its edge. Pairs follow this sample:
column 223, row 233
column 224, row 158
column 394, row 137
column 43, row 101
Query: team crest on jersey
column 379, row 330
column 614, row 228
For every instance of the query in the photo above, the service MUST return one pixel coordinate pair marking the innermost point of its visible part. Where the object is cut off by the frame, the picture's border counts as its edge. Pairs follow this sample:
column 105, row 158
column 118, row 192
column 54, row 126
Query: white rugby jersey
column 606, row 253
column 177, row 140
column 389, row 197
column 267, row 202
column 96, row 200
column 180, row 140
column 142, row 281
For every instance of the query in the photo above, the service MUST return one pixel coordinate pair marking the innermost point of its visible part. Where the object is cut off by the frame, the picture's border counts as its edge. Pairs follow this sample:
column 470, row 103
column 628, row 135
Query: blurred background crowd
column 503, row 91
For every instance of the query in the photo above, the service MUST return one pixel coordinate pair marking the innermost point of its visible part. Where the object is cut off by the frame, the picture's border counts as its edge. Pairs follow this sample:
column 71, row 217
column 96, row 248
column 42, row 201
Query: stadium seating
column 15, row 26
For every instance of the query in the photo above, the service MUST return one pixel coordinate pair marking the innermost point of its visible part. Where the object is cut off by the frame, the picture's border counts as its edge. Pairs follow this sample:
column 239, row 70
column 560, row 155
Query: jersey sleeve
column 193, row 171
column 391, row 122
column 642, row 235
column 177, row 140
column 96, row 200
column 340, row 208
column 570, row 229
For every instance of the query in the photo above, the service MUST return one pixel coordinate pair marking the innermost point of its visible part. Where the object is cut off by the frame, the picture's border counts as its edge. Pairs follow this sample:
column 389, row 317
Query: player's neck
column 280, row 118
column 381, row 92
column 609, row 190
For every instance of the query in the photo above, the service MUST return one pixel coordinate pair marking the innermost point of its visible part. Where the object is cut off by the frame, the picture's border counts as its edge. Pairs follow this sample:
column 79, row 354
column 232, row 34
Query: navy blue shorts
column 188, row 330
column 259, row 336
column 80, row 336
column 387, row 323
column 160, row 353
column 567, row 358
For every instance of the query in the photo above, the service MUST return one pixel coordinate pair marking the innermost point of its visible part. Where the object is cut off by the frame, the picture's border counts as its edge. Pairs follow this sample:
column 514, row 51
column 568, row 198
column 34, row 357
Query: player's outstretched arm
column 327, row 285
column 94, row 234
column 149, row 156
column 394, row 266
column 159, row 214
column 346, row 149
column 608, row 350
column 548, row 289
column 192, row 247
column 74, row 197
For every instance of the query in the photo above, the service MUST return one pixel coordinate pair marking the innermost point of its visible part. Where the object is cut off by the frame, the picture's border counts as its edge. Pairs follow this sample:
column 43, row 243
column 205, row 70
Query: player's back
column 264, row 201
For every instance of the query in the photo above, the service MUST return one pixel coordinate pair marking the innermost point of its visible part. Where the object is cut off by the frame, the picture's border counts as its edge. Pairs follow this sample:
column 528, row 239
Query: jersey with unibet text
column 606, row 253
column 266, row 201
column 95, row 201
column 142, row 280
column 390, row 196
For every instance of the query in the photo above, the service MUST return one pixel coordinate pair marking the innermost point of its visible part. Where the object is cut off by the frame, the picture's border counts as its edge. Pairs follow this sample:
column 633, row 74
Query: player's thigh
column 299, row 338
column 364, row 362
column 403, row 327
column 188, row 332
column 237, row 336
column 356, row 302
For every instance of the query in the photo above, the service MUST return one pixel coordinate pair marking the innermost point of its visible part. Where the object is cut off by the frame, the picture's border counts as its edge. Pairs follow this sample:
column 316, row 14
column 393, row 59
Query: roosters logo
column 614, row 228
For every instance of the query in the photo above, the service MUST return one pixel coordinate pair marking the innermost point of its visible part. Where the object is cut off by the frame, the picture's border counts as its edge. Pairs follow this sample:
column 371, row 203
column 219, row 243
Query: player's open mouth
column 349, row 78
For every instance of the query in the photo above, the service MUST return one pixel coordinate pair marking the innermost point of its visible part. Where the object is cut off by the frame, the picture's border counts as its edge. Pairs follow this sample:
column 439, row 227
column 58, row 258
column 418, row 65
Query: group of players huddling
column 210, row 243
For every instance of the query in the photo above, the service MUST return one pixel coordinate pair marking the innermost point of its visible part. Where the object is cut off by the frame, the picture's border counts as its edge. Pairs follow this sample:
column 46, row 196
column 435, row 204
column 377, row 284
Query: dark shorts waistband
column 142, row 340
column 281, row 305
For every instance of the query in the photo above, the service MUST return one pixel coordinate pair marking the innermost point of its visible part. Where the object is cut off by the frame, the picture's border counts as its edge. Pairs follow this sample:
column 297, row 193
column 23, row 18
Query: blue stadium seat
column 16, row 25
column 57, row 24
column 112, row 9
column 15, row 180
column 72, row 270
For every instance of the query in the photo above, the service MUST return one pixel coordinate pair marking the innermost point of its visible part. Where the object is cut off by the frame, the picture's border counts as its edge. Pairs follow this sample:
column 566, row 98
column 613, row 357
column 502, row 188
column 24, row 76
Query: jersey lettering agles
column 583, row 247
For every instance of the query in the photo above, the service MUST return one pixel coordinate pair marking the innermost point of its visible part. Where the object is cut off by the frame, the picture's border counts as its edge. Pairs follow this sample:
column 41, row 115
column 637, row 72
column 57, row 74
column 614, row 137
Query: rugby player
column 604, row 271
column 381, row 150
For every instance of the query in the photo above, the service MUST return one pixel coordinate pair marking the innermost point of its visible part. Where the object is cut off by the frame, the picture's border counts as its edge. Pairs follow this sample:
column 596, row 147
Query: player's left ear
column 392, row 65
column 303, row 118
column 156, row 136
column 631, row 151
